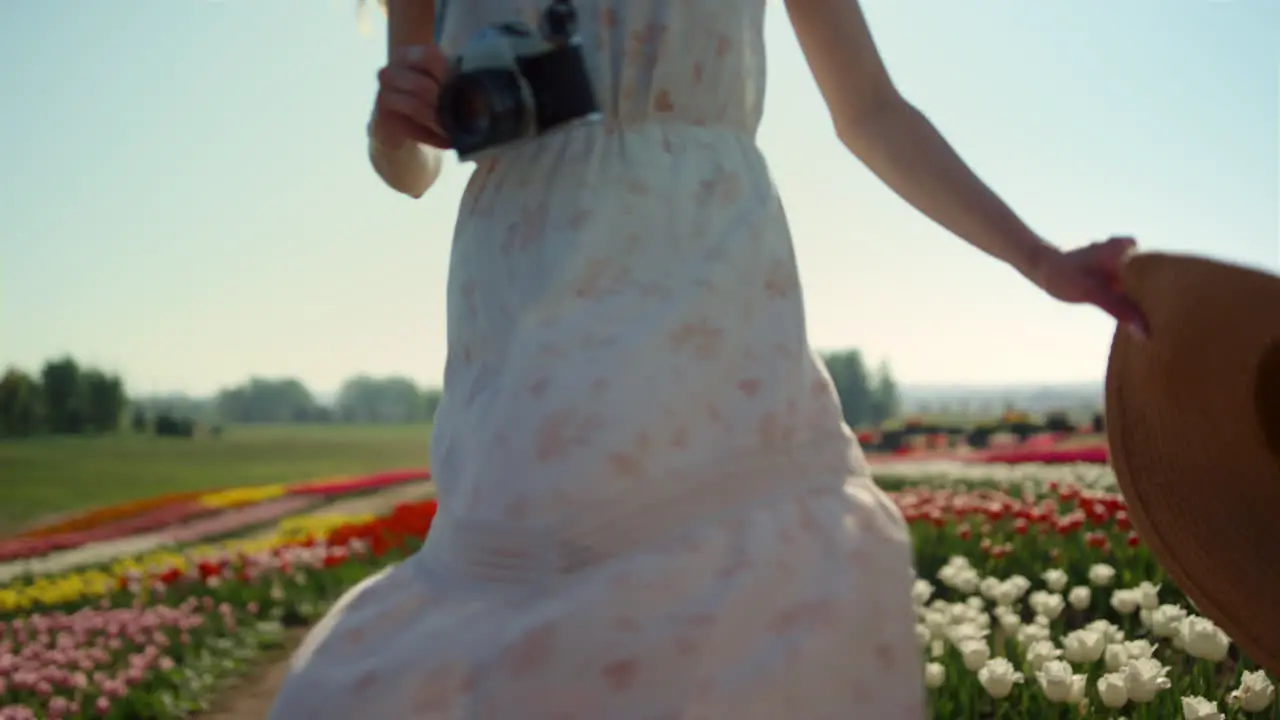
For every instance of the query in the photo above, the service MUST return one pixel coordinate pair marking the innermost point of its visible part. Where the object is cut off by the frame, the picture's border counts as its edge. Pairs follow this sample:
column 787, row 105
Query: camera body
column 510, row 83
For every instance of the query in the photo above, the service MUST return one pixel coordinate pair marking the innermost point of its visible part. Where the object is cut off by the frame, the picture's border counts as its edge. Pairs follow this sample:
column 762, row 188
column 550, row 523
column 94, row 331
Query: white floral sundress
column 650, row 508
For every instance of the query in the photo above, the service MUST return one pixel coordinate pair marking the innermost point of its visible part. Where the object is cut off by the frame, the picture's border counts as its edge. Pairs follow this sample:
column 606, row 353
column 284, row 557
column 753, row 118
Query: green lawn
column 44, row 476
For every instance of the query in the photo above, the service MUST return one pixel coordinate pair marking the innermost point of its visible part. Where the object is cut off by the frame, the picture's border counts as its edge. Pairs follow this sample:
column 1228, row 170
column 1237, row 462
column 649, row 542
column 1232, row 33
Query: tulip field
column 1034, row 599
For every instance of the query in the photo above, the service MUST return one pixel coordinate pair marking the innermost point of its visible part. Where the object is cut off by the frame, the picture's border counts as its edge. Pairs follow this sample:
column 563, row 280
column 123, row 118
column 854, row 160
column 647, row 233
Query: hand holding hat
column 1091, row 275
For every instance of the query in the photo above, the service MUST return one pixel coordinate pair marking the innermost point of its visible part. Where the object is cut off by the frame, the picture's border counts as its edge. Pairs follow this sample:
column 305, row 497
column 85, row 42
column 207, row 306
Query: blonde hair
column 362, row 14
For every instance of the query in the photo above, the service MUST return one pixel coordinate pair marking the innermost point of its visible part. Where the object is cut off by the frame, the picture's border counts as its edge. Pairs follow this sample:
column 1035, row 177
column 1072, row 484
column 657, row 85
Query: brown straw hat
column 1193, row 420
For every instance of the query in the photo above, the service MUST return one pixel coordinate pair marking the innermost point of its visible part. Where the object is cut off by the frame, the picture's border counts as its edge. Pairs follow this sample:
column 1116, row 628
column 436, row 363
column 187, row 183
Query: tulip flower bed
column 1035, row 599
column 171, row 512
column 233, row 521
column 158, row 518
column 190, row 521
column 157, row 641
column 134, row 662
column 98, row 517
column 239, row 497
column 347, row 486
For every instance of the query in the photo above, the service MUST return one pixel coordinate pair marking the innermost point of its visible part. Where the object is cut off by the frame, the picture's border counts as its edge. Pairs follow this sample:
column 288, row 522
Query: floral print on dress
column 650, row 507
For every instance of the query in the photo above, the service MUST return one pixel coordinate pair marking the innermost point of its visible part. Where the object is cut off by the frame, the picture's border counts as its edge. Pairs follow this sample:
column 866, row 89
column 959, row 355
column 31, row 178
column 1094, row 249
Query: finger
column 1109, row 254
column 423, row 132
column 1122, row 308
column 408, row 80
column 424, row 58
column 414, row 107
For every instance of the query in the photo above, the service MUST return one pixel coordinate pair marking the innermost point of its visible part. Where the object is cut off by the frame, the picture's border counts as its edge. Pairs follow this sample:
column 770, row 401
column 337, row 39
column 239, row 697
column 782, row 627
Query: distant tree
column 267, row 401
column 885, row 401
column 865, row 398
column 202, row 410
column 104, row 400
column 140, row 422
column 20, row 404
column 63, row 396
column 174, row 426
column 430, row 403
column 365, row 399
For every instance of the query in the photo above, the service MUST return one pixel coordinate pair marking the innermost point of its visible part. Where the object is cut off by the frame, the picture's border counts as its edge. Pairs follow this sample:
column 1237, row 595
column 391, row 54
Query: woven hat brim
column 1187, row 442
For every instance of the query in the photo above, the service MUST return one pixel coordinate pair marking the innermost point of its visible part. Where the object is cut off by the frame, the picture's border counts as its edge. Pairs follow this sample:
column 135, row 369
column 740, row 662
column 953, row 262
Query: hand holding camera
column 509, row 83
column 406, row 105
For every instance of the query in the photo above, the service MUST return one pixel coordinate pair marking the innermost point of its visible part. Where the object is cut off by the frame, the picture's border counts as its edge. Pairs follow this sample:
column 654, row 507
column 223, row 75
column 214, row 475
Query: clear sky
column 185, row 199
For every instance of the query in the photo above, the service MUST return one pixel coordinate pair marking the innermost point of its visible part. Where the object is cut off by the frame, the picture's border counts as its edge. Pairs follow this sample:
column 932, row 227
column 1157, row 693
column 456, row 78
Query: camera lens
column 482, row 108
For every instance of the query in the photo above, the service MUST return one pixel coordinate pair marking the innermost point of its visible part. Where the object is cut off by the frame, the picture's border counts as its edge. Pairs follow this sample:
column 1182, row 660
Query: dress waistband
column 493, row 552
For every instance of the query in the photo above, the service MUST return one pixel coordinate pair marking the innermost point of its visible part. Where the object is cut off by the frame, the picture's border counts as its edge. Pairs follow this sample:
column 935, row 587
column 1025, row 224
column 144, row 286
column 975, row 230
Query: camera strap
column 439, row 28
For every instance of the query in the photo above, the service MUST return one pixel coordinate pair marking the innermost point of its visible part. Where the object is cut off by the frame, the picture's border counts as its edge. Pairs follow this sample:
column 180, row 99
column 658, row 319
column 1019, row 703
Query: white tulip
column 1148, row 595
column 1203, row 640
column 1101, row 575
column 937, row 621
column 1144, row 678
column 935, row 674
column 1112, row 691
column 1124, row 602
column 1030, row 633
column 1105, row 628
column 923, row 636
column 1059, row 682
column 1048, row 604
column 1017, row 584
column 963, row 631
column 1008, row 619
column 1195, row 707
column 1083, row 646
column 959, row 575
column 1055, row 579
column 989, row 587
column 998, row 677
column 975, row 653
column 921, row 591
column 1079, row 597
column 1255, row 692
column 1040, row 652
column 1115, row 657
column 1166, row 619
column 967, row 581
column 1140, row 648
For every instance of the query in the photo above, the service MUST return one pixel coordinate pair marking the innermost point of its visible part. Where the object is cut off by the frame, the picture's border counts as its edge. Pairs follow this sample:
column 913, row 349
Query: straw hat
column 1193, row 420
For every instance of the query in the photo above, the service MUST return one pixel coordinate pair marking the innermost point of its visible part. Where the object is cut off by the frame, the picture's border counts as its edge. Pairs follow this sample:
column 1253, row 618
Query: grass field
column 48, row 476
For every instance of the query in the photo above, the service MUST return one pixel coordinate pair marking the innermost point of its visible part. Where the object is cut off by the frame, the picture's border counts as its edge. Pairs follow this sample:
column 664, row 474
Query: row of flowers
column 155, row 639
column 75, row 588
column 169, row 513
column 1045, row 448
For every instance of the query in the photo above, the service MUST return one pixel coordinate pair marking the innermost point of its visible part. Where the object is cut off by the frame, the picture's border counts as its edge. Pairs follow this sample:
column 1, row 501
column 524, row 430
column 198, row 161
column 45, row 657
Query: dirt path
column 251, row 697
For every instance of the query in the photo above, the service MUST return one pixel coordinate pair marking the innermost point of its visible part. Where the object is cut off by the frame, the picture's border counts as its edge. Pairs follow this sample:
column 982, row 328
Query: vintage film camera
column 510, row 83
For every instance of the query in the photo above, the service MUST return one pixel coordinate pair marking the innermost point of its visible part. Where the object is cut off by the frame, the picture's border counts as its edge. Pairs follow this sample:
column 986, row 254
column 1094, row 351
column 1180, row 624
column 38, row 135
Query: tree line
column 66, row 398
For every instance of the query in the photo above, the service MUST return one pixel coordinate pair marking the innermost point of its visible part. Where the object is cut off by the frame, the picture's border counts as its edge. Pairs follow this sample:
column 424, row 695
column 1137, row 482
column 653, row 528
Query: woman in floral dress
column 650, row 508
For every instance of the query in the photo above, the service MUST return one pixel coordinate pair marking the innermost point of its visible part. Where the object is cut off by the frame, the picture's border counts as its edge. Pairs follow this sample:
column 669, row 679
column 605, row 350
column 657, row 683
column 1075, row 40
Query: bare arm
column 408, row 167
column 897, row 142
